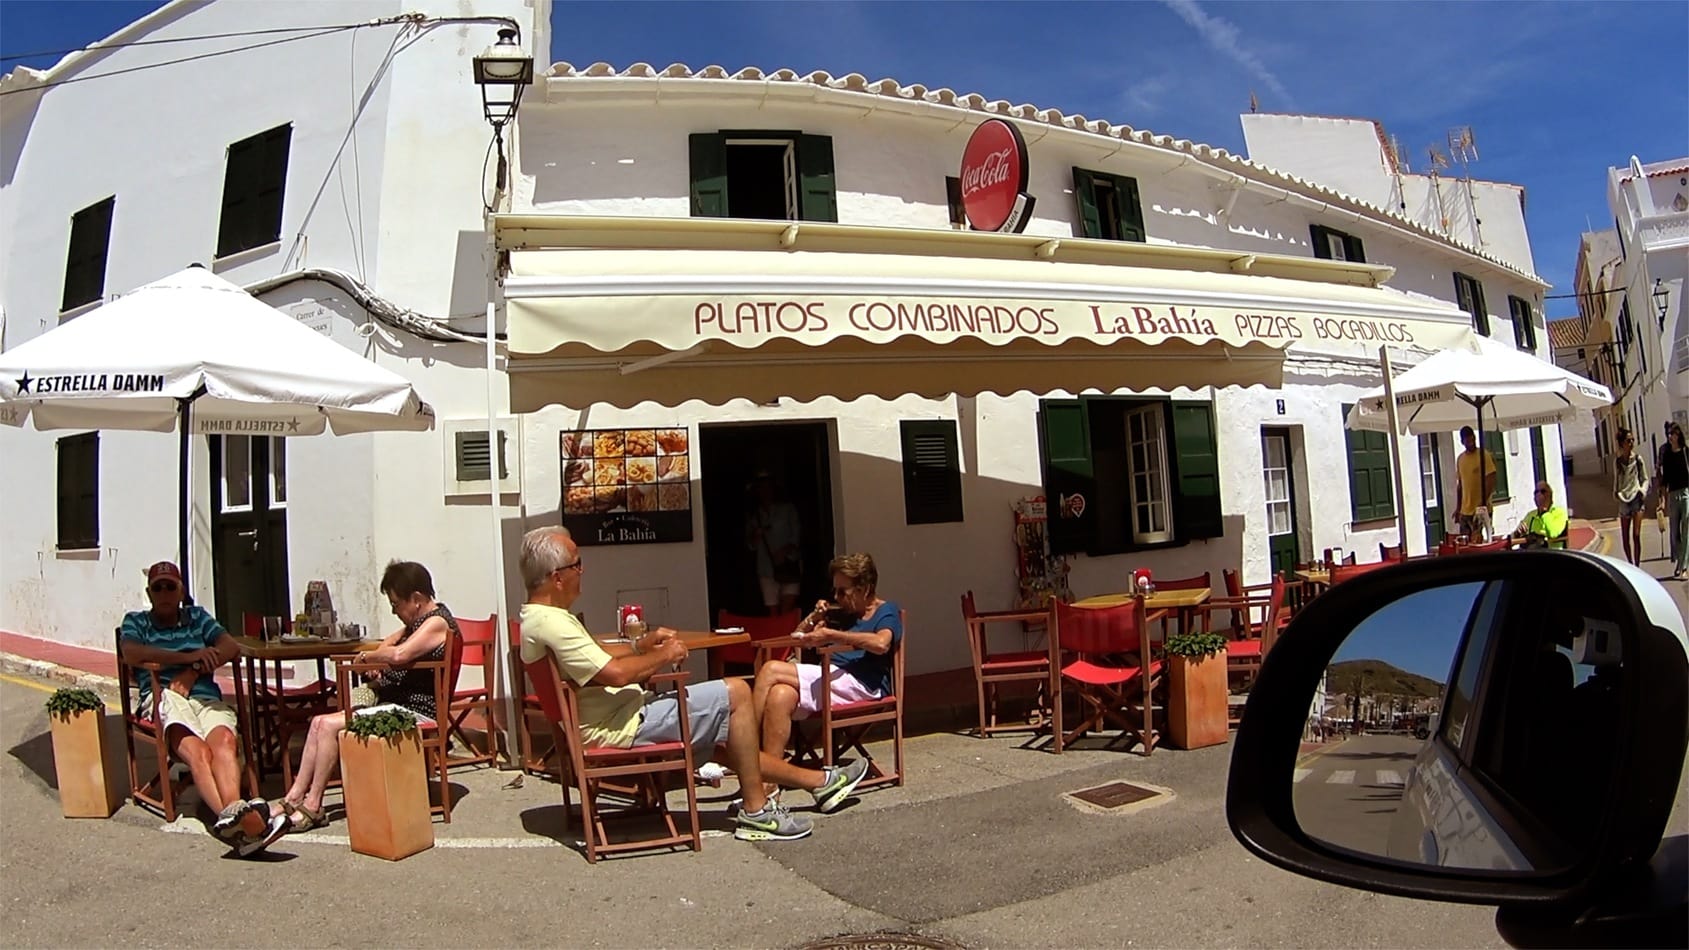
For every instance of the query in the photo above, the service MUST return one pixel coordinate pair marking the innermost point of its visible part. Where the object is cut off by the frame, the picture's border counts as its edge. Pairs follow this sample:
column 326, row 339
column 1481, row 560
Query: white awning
column 670, row 324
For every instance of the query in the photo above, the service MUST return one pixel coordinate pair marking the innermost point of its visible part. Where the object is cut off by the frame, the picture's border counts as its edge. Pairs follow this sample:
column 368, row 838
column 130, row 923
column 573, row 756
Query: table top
column 1021, row 614
column 308, row 650
column 1314, row 576
column 1160, row 600
column 699, row 639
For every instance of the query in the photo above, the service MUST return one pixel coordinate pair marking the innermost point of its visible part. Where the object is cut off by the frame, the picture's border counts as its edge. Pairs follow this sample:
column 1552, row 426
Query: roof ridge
column 944, row 96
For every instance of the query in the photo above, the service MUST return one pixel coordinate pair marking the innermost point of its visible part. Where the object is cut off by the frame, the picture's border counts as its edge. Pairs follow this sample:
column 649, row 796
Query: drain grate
column 1114, row 794
column 882, row 941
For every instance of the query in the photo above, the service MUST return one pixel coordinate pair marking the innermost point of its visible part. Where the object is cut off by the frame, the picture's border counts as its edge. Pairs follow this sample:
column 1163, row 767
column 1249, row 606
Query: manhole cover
column 882, row 941
column 1114, row 794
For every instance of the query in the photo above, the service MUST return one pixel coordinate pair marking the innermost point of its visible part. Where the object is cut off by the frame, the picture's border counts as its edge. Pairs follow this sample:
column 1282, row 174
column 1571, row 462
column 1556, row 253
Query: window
column 1371, row 496
column 1333, row 245
column 953, row 197
column 1108, row 206
column 474, row 456
column 253, row 185
column 79, row 491
column 1469, row 294
column 1539, row 457
column 85, row 264
column 1524, row 325
column 237, row 473
column 1126, row 473
column 932, row 471
column 1497, row 447
column 782, row 176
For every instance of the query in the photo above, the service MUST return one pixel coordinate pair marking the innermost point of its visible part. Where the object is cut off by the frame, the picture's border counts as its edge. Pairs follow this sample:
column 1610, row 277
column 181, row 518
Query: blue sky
column 1556, row 92
column 1418, row 633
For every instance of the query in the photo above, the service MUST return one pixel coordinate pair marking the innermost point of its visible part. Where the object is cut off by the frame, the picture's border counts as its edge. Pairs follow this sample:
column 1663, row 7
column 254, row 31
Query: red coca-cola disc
column 993, row 174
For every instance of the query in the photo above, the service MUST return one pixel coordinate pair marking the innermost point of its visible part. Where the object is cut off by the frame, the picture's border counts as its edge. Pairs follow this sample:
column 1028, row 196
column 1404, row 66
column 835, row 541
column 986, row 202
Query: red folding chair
column 762, row 630
column 994, row 669
column 1104, row 653
column 480, row 639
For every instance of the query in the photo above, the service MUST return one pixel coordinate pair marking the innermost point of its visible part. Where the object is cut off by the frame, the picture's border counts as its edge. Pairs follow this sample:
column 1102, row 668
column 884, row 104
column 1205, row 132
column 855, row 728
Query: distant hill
column 1380, row 678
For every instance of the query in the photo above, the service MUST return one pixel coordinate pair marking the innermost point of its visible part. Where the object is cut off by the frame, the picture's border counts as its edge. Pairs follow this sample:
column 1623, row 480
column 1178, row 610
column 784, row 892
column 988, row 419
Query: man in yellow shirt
column 1544, row 525
column 1472, row 490
column 615, row 709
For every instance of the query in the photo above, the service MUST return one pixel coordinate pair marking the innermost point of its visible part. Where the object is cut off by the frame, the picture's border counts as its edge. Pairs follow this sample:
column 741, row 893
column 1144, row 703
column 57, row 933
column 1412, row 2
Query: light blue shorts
column 707, row 708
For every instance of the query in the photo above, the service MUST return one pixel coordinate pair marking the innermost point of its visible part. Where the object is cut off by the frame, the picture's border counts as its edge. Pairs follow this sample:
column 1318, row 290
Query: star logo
column 23, row 383
column 1379, row 405
column 293, row 425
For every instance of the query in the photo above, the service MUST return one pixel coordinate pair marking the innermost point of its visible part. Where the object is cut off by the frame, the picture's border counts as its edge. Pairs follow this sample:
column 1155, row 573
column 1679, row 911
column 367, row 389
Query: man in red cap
column 190, row 645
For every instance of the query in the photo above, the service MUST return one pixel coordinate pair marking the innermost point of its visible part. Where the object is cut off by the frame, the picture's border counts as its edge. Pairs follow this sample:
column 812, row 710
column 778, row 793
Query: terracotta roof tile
column 1566, row 333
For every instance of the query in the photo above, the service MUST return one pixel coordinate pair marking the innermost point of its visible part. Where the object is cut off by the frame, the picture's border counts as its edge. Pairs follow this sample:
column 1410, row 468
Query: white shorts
column 198, row 716
column 844, row 687
column 772, row 589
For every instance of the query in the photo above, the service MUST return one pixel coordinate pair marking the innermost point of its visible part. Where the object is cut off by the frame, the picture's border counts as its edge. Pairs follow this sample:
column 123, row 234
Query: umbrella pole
column 1394, row 418
column 183, row 411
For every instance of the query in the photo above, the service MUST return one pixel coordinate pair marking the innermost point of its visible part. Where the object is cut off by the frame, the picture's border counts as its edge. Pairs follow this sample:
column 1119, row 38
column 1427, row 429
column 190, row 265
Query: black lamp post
column 1661, row 295
column 503, row 72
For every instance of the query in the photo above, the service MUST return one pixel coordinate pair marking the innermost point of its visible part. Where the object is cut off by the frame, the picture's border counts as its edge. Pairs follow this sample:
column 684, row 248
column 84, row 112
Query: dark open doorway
column 797, row 457
column 249, row 527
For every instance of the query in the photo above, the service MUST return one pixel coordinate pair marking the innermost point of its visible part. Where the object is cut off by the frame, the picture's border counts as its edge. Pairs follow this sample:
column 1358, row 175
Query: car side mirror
column 1549, row 689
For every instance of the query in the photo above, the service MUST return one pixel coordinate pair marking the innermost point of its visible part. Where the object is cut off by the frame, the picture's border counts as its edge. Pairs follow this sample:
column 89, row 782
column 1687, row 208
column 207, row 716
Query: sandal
column 301, row 818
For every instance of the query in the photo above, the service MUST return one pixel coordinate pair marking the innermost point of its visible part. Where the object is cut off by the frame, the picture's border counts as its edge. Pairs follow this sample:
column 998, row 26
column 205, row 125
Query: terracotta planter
column 386, row 787
column 87, row 755
column 1196, row 705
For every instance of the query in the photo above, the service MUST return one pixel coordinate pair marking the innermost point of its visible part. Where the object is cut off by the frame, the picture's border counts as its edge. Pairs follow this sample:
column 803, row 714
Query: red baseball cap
column 164, row 569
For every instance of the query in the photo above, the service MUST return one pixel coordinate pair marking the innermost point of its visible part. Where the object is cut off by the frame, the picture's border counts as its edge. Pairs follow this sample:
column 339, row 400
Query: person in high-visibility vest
column 1544, row 525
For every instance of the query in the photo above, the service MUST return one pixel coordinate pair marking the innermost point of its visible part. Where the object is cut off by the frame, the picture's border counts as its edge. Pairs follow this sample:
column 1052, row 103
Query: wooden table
column 1317, row 579
column 260, row 657
column 697, row 639
column 1181, row 603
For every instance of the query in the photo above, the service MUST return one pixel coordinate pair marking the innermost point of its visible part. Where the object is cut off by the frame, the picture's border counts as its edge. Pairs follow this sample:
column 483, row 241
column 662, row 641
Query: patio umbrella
column 1480, row 377
column 196, row 353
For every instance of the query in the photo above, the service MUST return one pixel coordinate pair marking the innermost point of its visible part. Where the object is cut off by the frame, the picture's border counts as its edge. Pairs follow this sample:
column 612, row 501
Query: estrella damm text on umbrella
column 91, row 383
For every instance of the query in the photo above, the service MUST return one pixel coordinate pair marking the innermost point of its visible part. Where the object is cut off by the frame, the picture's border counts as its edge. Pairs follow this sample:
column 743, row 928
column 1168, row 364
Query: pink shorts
column 844, row 687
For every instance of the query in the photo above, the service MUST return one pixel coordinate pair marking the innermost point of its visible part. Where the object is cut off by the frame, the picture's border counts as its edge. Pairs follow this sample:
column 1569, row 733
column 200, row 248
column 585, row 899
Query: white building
column 644, row 305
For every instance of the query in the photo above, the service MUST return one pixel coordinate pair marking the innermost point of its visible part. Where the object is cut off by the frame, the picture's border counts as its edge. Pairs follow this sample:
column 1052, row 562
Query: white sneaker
column 271, row 834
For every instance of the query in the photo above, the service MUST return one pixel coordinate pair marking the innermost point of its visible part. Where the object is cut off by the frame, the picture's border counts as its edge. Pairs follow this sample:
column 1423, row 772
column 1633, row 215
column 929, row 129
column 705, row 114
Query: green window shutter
column 1371, row 494
column 1131, row 209
column 1085, row 193
column 1197, row 512
column 272, row 186
column 817, row 197
column 1524, row 326
column 932, row 471
column 1539, row 458
column 1497, row 447
column 709, row 174
column 1355, row 249
column 1066, row 436
column 474, row 456
column 1470, row 295
column 78, row 491
column 85, row 262
column 1320, row 239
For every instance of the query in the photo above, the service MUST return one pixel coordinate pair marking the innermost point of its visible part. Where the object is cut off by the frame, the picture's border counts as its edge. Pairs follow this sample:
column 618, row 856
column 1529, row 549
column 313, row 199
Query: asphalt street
column 983, row 848
column 1347, row 793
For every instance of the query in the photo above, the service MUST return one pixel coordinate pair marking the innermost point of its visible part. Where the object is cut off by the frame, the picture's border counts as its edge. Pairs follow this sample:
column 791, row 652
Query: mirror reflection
column 1466, row 726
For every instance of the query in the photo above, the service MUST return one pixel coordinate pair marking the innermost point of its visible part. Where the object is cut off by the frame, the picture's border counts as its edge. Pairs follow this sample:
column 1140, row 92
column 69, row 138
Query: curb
column 69, row 676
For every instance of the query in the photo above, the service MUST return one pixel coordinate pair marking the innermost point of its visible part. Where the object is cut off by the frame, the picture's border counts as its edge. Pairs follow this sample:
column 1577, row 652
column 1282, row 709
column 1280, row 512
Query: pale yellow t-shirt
column 1472, row 486
column 609, row 715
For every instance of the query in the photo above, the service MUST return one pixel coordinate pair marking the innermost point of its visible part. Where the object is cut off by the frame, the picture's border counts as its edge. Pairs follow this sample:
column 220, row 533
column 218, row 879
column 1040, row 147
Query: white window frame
column 246, row 464
column 1283, row 468
column 278, row 486
column 1157, row 499
column 1428, row 473
column 789, row 169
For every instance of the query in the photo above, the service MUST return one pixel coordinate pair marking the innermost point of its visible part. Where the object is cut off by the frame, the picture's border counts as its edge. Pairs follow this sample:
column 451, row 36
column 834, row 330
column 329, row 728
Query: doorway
column 797, row 459
column 1431, row 486
column 1283, row 546
column 249, row 527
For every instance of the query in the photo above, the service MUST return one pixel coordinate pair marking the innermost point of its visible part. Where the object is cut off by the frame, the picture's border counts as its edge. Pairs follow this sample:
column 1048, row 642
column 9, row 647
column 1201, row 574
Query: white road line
column 1341, row 777
column 1390, row 777
column 1302, row 774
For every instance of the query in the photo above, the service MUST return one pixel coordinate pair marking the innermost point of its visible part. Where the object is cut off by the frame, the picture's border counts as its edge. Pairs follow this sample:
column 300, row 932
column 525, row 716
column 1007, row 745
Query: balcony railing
column 1661, row 232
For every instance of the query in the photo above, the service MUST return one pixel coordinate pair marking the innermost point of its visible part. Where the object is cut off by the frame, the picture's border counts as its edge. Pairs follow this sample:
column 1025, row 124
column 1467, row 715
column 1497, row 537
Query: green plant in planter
column 386, row 724
column 66, row 701
column 1195, row 645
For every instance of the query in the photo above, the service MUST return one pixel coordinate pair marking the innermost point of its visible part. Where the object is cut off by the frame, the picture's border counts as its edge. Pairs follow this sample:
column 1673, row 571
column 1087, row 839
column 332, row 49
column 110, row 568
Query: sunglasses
column 164, row 587
column 839, row 592
column 577, row 565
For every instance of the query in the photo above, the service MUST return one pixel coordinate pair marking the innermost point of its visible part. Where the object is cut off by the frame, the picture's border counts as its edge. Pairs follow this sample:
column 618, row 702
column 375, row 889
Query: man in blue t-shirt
column 189, row 645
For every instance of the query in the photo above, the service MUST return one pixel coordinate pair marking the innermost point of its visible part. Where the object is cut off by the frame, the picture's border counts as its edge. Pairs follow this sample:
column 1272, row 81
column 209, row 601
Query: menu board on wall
column 627, row 486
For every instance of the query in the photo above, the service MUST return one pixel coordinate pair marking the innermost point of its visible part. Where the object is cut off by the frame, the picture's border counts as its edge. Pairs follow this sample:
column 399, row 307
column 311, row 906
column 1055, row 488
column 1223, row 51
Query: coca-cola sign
column 994, row 178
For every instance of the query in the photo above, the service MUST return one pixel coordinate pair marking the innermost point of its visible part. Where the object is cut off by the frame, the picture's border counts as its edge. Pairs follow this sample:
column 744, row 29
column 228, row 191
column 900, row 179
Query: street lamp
column 1660, row 295
column 503, row 72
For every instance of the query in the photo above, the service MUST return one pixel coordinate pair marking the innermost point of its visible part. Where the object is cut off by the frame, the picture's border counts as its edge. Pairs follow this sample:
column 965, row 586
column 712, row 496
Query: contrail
column 1224, row 37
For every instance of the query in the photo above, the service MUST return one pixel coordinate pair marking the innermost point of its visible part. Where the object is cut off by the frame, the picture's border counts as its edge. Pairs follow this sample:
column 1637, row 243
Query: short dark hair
column 404, row 578
column 1467, row 431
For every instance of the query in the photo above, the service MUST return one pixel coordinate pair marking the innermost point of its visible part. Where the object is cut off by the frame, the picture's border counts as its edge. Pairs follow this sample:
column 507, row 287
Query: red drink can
column 631, row 615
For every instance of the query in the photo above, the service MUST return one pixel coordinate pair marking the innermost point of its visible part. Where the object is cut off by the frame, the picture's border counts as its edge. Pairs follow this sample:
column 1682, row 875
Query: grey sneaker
column 773, row 823
column 270, row 835
column 840, row 783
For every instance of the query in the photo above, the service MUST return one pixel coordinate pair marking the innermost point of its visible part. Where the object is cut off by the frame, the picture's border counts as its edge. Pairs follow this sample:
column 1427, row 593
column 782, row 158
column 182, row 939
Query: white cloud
column 1145, row 96
column 1225, row 38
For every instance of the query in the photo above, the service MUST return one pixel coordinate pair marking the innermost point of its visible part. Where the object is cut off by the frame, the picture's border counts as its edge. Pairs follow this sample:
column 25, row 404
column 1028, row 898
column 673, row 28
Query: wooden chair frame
column 480, row 639
column 436, row 732
column 763, row 630
column 1107, row 690
column 992, row 669
column 159, row 793
column 291, row 709
column 559, row 698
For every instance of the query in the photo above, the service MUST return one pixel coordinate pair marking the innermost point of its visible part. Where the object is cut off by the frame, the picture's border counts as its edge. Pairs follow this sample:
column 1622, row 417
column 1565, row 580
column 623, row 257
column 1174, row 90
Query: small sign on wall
column 1280, row 407
column 627, row 486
